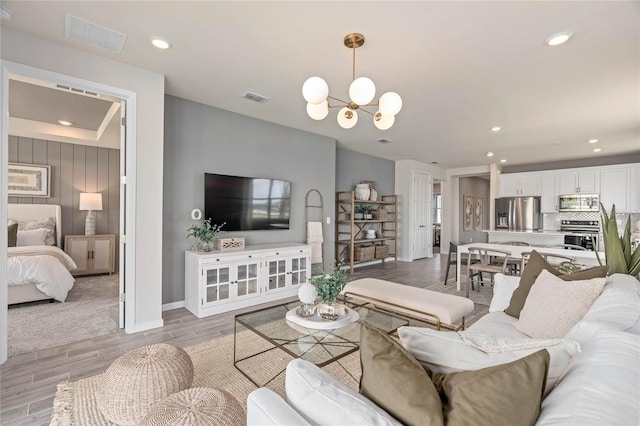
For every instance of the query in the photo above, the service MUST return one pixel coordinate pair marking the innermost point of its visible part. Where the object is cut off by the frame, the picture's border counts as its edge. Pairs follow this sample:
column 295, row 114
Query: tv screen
column 245, row 203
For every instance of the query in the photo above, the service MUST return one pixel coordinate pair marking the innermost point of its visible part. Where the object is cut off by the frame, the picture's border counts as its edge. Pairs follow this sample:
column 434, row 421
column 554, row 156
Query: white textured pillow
column 503, row 288
column 553, row 305
column 34, row 237
column 445, row 352
column 47, row 223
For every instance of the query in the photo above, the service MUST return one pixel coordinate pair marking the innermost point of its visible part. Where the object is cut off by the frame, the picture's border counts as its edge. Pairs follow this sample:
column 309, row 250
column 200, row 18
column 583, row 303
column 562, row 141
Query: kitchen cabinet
column 519, row 184
column 549, row 183
column 580, row 181
column 221, row 281
column 93, row 254
column 620, row 185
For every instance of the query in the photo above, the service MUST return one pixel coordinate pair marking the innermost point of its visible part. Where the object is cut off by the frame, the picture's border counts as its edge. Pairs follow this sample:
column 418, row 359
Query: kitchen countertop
column 543, row 232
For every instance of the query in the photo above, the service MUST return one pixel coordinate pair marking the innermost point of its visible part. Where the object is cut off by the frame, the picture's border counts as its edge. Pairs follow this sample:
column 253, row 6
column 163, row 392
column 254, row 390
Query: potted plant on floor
column 617, row 249
column 329, row 286
column 205, row 232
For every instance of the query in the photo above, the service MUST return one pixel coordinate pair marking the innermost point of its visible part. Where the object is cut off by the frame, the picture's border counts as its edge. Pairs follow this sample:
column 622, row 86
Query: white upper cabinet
column 549, row 184
column 574, row 181
column 620, row 185
column 519, row 184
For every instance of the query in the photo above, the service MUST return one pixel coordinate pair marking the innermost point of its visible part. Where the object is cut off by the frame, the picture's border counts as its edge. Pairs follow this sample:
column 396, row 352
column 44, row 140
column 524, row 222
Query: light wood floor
column 28, row 382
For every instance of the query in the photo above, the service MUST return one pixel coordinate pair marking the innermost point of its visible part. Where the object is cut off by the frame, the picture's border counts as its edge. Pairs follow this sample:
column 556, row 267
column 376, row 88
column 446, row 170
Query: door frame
column 9, row 70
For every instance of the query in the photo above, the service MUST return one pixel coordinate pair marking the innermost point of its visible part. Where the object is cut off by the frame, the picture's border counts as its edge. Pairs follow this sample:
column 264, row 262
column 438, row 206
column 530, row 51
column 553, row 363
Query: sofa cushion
column 503, row 288
column 387, row 369
column 504, row 394
column 322, row 400
column 537, row 264
column 601, row 385
column 553, row 305
column 446, row 352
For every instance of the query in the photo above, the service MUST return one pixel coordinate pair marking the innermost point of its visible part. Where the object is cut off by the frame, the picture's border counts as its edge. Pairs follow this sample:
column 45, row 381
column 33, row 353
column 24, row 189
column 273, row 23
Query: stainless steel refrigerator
column 518, row 214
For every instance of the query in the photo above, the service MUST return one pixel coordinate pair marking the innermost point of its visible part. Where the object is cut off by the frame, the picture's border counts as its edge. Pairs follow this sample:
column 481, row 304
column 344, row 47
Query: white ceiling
column 460, row 67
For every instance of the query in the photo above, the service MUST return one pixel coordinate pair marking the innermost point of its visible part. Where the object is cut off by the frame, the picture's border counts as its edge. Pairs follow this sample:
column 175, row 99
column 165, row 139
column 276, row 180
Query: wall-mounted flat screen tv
column 246, row 203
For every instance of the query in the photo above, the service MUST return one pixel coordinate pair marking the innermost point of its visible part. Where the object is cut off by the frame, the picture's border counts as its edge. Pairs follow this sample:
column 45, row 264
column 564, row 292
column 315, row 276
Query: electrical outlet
column 328, row 220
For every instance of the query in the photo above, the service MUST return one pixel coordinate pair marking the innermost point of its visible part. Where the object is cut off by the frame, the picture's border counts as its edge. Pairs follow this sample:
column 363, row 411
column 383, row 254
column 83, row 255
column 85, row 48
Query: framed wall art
column 29, row 180
column 478, row 214
column 468, row 207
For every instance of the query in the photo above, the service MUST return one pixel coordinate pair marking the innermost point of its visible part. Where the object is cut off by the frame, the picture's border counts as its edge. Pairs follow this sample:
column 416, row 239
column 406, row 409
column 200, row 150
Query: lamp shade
column 315, row 90
column 90, row 201
column 384, row 122
column 319, row 111
column 347, row 118
column 362, row 90
column 390, row 103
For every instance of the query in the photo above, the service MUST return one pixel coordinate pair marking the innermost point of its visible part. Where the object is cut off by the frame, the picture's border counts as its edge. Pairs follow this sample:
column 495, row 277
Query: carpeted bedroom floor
column 91, row 310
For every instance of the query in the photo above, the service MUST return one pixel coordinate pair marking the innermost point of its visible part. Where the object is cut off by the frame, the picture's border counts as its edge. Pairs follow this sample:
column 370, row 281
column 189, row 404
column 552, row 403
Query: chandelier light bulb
column 318, row 111
column 315, row 90
column 383, row 122
column 347, row 118
column 390, row 103
column 362, row 90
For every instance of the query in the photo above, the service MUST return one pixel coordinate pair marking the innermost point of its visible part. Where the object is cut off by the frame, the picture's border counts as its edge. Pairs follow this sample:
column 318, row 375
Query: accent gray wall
column 74, row 169
column 199, row 138
column 476, row 187
column 572, row 164
column 354, row 167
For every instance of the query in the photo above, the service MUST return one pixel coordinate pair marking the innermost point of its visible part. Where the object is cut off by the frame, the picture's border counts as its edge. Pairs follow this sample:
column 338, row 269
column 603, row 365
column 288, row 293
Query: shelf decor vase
column 362, row 192
column 307, row 294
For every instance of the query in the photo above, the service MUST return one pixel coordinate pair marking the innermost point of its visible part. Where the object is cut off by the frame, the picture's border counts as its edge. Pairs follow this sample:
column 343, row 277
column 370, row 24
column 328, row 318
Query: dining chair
column 482, row 260
column 514, row 262
column 452, row 259
column 555, row 260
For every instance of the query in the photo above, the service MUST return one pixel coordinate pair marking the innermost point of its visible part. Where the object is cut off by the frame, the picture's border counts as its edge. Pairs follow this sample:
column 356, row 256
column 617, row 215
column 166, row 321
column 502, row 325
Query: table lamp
column 90, row 201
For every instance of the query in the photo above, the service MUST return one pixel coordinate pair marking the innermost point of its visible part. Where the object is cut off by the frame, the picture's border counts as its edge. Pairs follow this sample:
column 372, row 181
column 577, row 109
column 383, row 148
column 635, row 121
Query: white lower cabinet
column 221, row 281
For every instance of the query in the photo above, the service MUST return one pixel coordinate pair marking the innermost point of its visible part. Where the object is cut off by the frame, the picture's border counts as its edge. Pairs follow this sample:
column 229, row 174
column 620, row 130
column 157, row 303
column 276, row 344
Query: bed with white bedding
column 37, row 268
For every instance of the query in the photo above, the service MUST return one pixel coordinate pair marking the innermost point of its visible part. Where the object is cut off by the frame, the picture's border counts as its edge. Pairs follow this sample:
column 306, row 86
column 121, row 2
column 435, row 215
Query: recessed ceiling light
column 558, row 38
column 65, row 123
column 593, row 140
column 504, row 160
column 496, row 128
column 489, row 154
column 160, row 43
column 597, row 149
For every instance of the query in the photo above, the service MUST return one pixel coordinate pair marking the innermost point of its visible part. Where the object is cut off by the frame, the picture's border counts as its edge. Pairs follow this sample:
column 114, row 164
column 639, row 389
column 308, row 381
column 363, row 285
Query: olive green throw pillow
column 506, row 394
column 532, row 270
column 12, row 235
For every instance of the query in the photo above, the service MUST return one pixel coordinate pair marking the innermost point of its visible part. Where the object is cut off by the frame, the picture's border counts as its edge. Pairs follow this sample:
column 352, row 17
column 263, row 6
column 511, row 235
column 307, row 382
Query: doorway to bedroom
column 75, row 136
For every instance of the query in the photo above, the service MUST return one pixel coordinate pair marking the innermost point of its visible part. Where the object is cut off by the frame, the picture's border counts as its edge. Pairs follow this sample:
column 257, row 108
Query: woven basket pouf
column 141, row 378
column 196, row 406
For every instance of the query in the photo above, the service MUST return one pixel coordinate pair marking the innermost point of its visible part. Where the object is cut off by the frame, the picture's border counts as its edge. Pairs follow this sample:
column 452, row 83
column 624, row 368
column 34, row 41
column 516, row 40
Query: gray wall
column 200, row 139
column 354, row 167
column 571, row 164
column 74, row 169
column 475, row 187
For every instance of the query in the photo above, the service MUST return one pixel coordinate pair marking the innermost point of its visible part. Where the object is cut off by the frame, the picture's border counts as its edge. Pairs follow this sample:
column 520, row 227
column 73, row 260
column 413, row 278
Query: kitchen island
column 534, row 238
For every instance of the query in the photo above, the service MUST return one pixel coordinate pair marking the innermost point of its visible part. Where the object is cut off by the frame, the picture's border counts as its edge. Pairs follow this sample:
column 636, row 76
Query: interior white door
column 123, row 206
column 422, row 237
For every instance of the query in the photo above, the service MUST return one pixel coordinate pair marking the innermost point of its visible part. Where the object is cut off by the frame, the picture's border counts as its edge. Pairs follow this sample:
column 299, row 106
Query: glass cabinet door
column 217, row 285
column 299, row 271
column 277, row 274
column 247, row 280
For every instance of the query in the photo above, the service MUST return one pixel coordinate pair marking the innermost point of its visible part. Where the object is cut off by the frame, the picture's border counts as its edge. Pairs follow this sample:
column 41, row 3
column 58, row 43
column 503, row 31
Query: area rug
column 75, row 404
column 91, row 310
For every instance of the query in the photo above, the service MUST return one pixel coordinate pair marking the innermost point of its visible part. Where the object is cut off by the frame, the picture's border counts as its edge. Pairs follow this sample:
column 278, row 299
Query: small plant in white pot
column 359, row 213
column 329, row 286
column 205, row 232
column 368, row 212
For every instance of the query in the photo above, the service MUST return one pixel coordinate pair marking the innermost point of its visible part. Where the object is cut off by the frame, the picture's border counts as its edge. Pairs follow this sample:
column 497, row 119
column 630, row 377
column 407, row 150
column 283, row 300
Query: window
column 437, row 208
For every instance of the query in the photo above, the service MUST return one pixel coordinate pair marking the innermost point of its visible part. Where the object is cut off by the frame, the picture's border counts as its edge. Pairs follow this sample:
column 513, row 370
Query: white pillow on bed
column 47, row 223
column 33, row 237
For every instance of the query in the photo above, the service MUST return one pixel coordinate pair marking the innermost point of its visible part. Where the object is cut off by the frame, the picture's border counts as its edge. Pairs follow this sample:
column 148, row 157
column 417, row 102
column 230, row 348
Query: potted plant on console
column 205, row 232
column 329, row 286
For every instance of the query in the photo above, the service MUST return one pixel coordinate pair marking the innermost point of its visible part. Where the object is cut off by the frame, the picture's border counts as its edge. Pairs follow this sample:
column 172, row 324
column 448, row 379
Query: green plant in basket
column 329, row 285
column 617, row 249
column 205, row 232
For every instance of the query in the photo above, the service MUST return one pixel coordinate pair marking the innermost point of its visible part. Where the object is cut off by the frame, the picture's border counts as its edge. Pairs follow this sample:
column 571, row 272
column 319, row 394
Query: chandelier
column 361, row 92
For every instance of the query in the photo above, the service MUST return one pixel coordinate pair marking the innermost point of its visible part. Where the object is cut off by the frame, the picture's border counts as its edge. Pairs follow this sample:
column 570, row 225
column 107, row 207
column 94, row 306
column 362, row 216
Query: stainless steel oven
column 583, row 233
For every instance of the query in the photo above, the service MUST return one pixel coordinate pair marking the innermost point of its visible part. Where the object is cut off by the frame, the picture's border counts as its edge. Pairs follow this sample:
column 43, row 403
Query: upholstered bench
column 440, row 309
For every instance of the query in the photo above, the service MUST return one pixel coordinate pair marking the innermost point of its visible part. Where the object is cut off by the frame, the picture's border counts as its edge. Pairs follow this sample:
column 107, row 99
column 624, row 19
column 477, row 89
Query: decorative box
column 229, row 243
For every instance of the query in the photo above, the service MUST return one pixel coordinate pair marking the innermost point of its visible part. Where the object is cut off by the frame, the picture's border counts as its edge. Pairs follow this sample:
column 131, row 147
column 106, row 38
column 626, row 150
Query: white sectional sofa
column 600, row 386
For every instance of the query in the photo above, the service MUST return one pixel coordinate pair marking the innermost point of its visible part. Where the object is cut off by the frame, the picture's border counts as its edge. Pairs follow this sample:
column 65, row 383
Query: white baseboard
column 173, row 305
column 405, row 259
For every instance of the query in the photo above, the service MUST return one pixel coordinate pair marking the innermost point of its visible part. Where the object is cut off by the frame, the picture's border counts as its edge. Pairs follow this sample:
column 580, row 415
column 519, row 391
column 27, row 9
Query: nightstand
column 93, row 254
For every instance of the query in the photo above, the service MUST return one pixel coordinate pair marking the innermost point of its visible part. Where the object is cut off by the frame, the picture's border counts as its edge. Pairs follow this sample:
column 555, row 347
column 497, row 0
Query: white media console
column 220, row 281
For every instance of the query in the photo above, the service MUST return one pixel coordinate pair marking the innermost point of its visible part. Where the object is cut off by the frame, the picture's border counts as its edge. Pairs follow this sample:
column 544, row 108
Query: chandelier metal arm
column 339, row 100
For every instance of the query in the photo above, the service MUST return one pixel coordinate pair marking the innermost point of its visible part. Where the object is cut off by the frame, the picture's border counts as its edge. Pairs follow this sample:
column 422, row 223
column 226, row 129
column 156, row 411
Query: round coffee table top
column 316, row 322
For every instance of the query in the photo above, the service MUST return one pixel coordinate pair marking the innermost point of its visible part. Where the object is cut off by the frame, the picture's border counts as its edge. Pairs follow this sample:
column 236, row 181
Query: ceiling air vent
column 383, row 140
column 93, row 34
column 255, row 97
column 76, row 90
